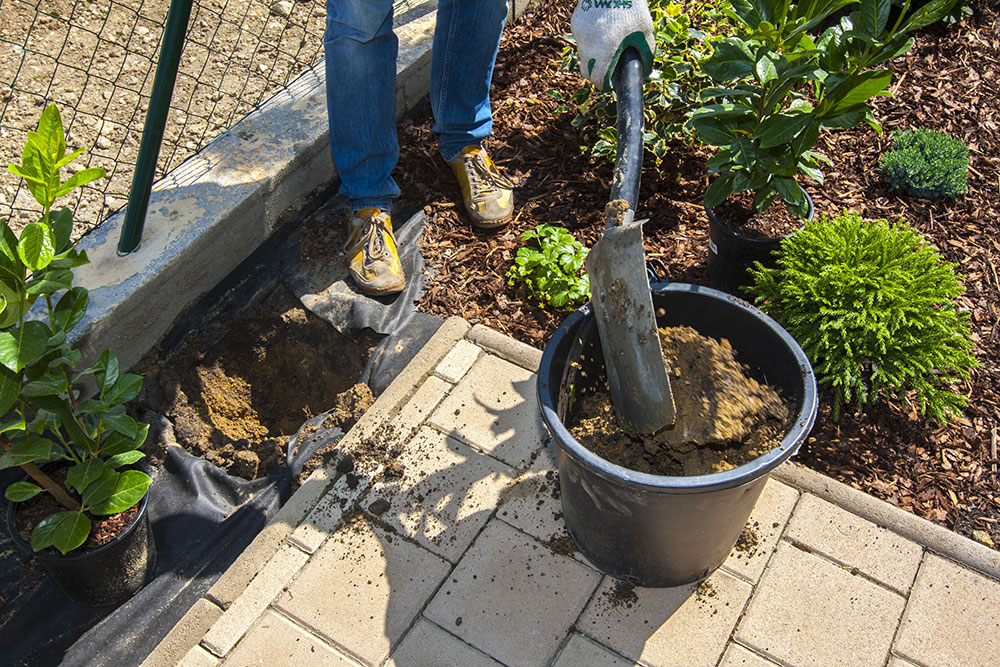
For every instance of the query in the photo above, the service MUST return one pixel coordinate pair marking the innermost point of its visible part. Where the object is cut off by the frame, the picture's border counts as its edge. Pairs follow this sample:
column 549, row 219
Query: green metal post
column 156, row 120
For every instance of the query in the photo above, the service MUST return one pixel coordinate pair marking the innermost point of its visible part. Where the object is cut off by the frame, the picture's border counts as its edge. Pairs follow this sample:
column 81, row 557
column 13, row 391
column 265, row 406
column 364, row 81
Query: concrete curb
column 936, row 538
column 516, row 352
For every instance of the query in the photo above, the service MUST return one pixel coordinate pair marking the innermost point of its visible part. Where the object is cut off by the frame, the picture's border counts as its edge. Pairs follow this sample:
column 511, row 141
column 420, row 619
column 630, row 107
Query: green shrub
column 873, row 306
column 683, row 29
column 551, row 272
column 926, row 163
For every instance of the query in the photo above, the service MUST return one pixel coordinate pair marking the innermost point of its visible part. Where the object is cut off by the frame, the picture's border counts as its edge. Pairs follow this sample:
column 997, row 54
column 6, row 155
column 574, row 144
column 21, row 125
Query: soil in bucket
column 725, row 418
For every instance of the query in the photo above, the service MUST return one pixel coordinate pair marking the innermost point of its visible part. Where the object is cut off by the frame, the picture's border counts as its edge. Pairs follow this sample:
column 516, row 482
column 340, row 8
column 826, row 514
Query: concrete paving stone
column 807, row 610
column 739, row 656
column 582, row 651
column 427, row 645
column 952, row 618
column 363, row 589
column 274, row 640
column 494, row 409
column 763, row 529
column 512, row 598
column 855, row 542
column 446, row 494
column 896, row 661
column 457, row 362
column 684, row 625
column 424, row 400
column 198, row 657
column 245, row 610
column 186, row 634
column 532, row 504
column 327, row 516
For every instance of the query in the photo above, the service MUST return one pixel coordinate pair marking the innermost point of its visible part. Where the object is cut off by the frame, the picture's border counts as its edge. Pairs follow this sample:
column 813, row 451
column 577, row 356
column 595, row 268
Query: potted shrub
column 90, row 443
column 779, row 83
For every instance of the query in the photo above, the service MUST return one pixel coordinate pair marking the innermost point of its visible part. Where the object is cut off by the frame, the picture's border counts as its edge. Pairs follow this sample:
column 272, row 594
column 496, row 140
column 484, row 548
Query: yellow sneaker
column 374, row 261
column 487, row 195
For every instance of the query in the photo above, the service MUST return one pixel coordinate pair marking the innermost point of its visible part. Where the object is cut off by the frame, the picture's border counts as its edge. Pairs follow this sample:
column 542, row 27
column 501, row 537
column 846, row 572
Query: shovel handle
column 627, row 82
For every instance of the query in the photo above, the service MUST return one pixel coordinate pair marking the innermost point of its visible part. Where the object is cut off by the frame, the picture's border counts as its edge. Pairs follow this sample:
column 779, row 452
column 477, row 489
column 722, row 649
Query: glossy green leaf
column 36, row 247
column 70, row 308
column 125, row 458
column 79, row 179
column 18, row 492
column 27, row 451
column 106, row 370
column 859, row 89
column 22, row 345
column 871, row 17
column 117, row 443
column 719, row 190
column 82, row 474
column 63, row 530
column 100, row 489
column 129, row 489
column 10, row 387
column 782, row 128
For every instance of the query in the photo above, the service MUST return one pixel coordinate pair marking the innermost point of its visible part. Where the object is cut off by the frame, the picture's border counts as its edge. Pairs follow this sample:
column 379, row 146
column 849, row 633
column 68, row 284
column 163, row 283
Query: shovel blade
column 623, row 306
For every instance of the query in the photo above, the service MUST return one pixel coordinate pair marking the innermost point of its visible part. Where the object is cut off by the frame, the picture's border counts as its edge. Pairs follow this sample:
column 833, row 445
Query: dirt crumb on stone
column 562, row 545
column 622, row 594
column 725, row 418
column 748, row 541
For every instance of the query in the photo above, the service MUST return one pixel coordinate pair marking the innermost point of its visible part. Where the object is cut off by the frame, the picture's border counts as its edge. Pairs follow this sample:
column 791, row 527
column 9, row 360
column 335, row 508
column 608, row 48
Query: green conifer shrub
column 926, row 163
column 873, row 306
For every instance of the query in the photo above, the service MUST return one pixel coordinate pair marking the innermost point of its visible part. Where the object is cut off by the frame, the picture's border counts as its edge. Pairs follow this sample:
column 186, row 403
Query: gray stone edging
column 936, row 538
column 505, row 347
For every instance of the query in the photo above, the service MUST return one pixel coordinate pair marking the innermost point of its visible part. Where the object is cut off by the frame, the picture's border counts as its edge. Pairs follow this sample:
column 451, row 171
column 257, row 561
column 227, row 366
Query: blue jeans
column 361, row 87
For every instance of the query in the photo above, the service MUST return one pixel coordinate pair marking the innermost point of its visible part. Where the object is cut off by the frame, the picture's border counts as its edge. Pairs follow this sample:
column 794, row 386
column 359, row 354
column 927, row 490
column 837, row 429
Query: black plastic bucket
column 104, row 576
column 663, row 530
column 730, row 255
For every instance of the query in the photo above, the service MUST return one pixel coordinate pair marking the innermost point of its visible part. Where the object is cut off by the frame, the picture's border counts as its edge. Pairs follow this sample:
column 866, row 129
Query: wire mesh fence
column 96, row 61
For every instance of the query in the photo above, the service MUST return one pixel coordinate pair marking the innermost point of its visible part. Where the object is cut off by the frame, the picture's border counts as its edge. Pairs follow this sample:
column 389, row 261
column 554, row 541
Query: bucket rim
column 738, row 476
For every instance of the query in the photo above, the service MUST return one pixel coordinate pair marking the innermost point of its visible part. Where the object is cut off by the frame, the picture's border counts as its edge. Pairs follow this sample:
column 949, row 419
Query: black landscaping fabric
column 202, row 517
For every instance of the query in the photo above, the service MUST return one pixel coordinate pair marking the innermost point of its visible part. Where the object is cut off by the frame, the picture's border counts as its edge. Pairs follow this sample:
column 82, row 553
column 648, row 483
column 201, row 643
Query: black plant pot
column 104, row 576
column 664, row 530
column 730, row 255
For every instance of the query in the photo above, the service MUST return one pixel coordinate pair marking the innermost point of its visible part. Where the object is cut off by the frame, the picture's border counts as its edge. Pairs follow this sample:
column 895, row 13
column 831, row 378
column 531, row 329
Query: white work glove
column 605, row 28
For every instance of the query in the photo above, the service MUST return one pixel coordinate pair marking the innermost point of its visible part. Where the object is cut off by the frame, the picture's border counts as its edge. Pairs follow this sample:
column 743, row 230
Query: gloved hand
column 605, row 28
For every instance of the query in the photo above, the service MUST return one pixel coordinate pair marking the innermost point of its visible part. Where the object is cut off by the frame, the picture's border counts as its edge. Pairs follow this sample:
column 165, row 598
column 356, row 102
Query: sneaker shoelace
column 372, row 239
column 484, row 181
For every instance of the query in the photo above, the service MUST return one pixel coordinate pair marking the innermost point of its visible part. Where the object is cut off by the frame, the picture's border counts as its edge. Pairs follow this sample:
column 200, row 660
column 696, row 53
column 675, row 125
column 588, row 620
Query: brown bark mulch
column 948, row 81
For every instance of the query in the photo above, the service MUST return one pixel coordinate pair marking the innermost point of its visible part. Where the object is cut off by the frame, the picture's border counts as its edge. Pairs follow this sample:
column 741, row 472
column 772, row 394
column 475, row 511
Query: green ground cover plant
column 552, row 271
column 873, row 306
column 926, row 163
column 683, row 30
column 45, row 416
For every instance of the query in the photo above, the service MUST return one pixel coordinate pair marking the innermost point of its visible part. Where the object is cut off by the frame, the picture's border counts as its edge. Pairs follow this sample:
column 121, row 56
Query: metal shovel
column 616, row 266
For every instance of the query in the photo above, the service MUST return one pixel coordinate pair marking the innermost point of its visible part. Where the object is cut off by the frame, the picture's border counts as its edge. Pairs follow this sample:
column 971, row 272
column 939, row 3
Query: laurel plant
column 874, row 307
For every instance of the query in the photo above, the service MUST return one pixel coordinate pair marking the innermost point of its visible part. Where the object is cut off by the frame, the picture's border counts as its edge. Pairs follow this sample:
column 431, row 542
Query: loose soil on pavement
column 946, row 473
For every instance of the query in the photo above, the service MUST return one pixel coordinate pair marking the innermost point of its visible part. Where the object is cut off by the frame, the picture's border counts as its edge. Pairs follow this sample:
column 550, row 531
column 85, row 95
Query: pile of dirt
column 725, row 418
column 238, row 390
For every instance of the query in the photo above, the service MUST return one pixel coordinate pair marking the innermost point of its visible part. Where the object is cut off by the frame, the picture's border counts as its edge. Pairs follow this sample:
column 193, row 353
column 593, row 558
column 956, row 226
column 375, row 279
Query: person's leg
column 361, row 92
column 466, row 39
column 361, row 100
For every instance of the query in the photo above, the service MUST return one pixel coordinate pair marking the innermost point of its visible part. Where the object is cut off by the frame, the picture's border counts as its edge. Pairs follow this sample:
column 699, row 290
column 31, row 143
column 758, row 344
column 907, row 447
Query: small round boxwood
column 874, row 307
column 927, row 164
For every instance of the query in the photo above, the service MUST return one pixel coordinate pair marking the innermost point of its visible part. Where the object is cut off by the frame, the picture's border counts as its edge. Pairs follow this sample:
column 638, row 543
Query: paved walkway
column 459, row 558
